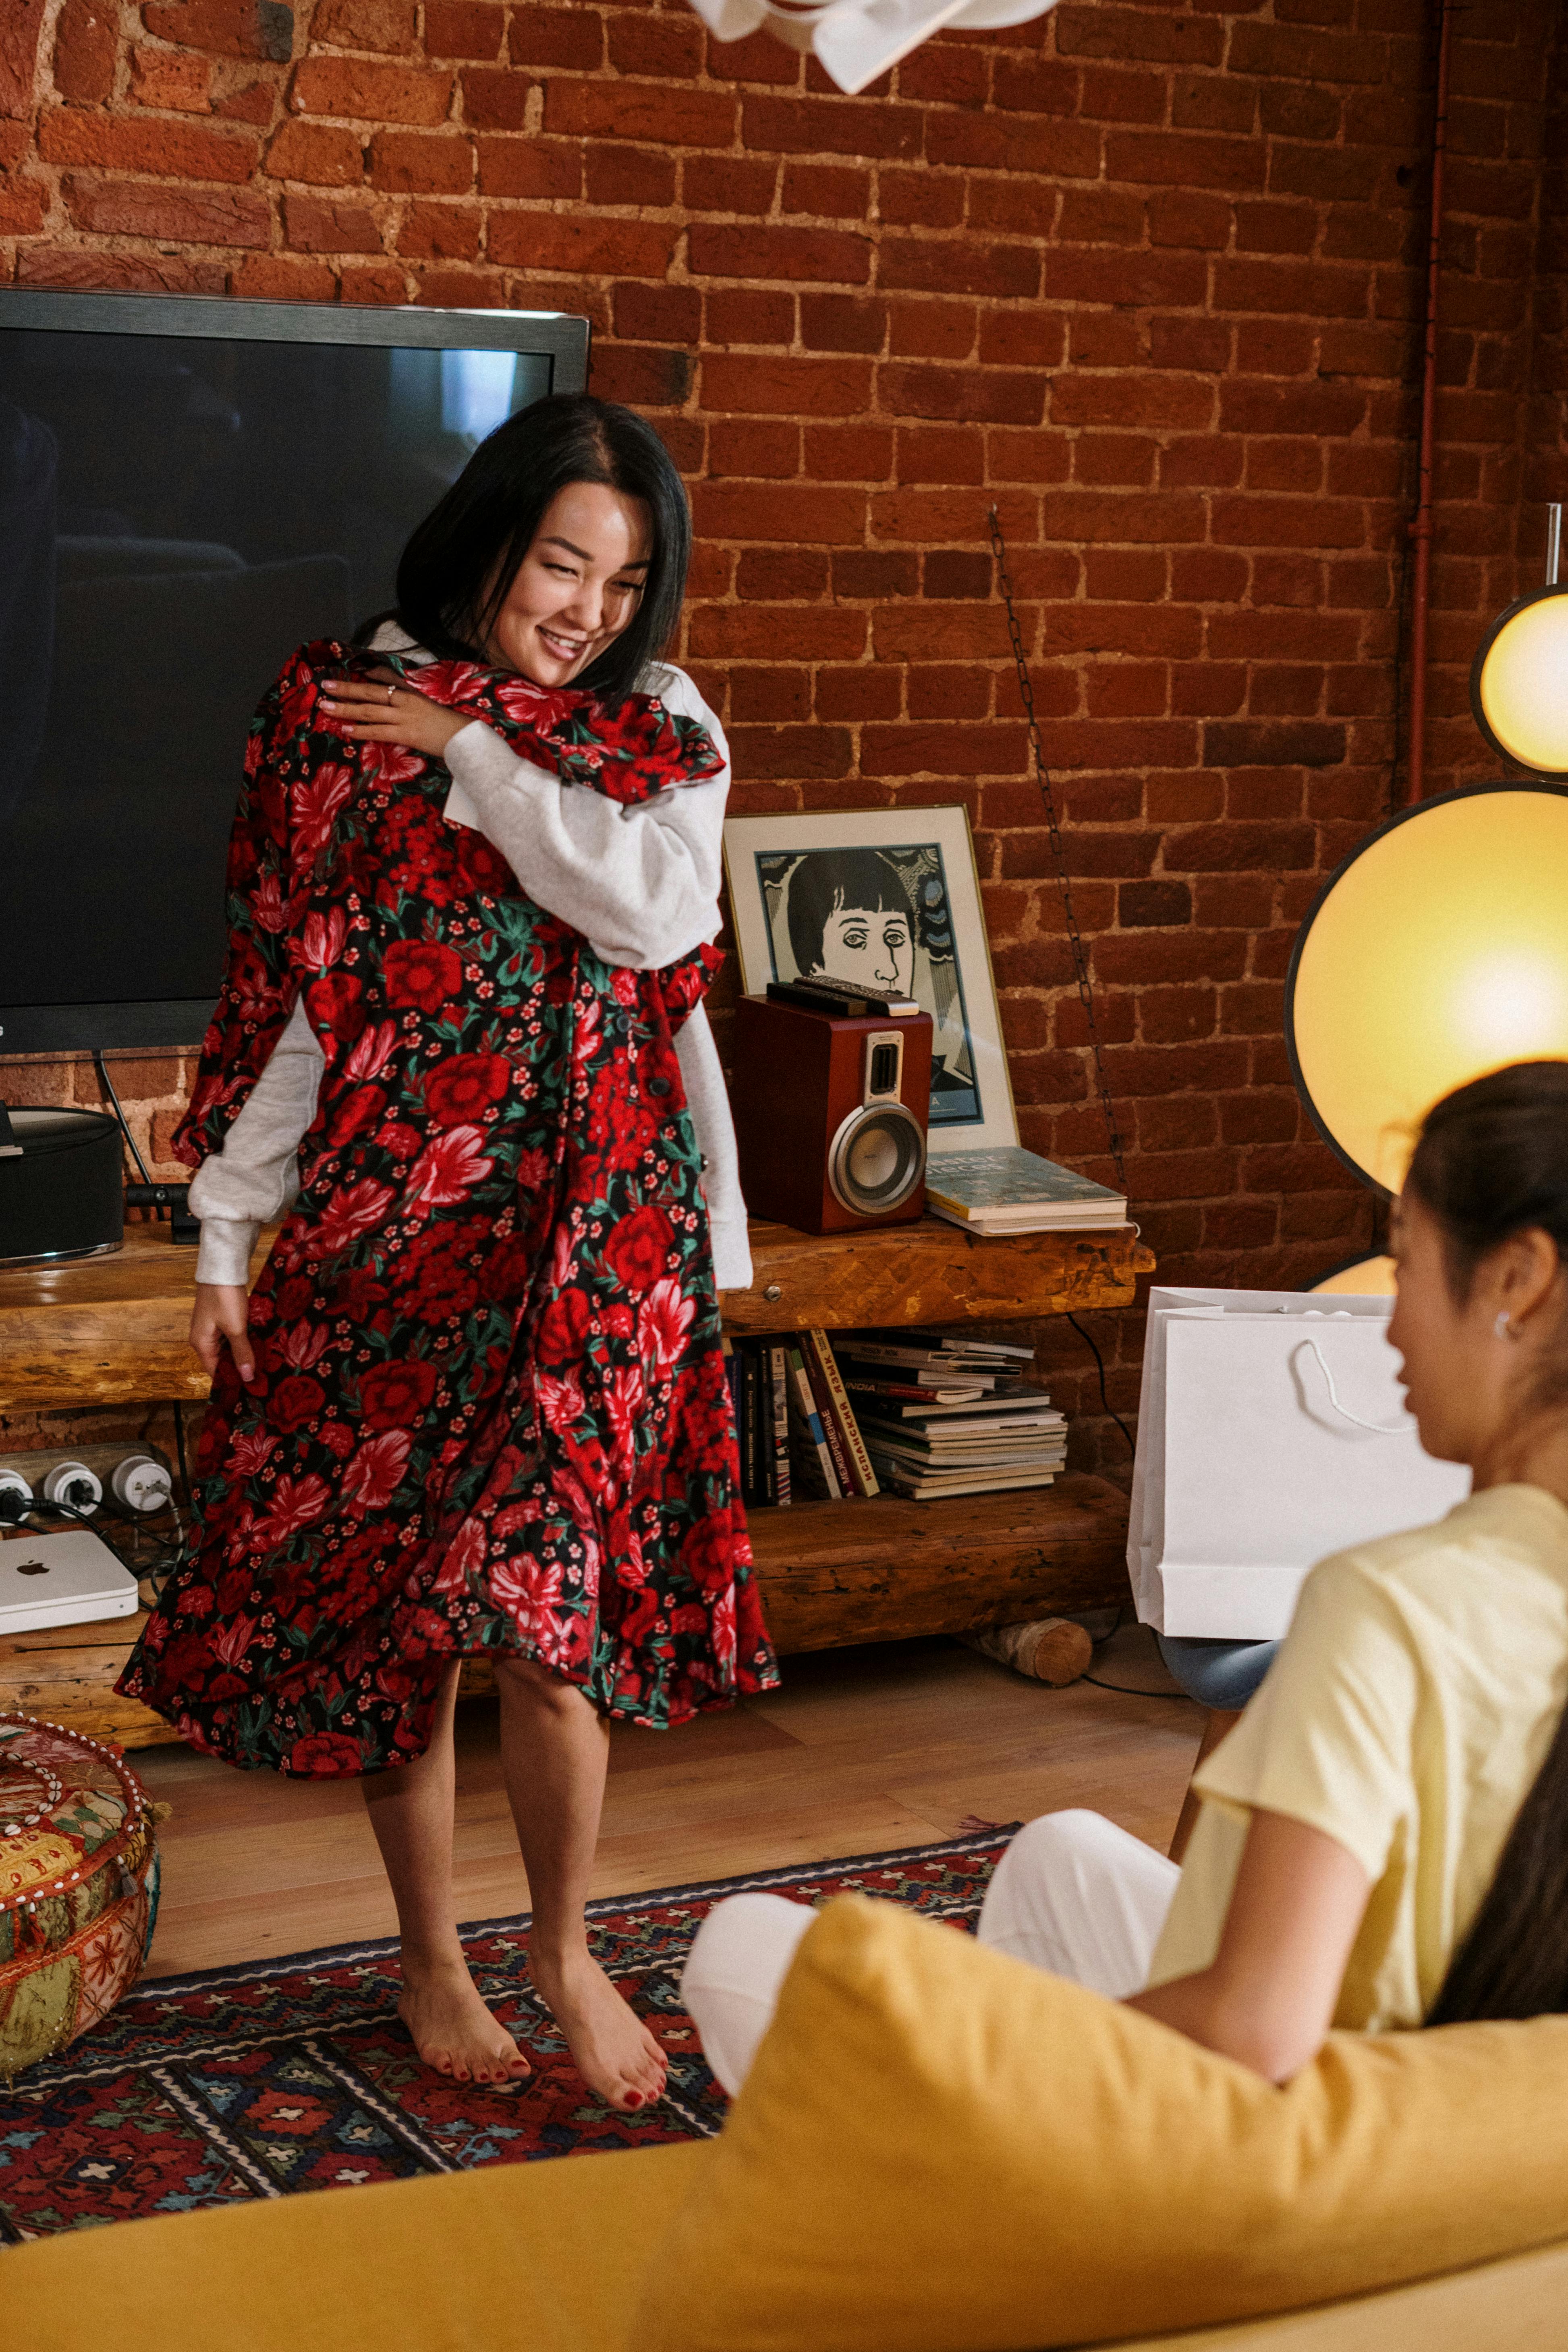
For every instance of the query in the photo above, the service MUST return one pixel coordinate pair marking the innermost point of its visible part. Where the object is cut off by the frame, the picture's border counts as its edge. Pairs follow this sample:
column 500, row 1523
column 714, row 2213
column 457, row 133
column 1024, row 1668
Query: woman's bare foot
column 616, row 2054
column 451, row 2028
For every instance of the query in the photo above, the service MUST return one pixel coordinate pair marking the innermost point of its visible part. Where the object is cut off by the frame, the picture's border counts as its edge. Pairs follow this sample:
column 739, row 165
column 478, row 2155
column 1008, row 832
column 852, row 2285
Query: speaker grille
column 875, row 1159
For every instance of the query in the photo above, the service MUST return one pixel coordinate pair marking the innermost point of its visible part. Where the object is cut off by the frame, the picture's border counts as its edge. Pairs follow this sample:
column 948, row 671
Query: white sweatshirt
column 640, row 883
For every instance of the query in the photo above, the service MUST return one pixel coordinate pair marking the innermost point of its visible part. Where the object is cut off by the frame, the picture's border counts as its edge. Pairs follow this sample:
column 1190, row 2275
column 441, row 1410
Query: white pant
column 1072, row 1894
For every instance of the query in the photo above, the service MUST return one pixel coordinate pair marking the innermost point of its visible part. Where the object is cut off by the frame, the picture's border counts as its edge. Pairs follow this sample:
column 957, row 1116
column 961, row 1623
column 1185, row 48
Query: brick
column 569, row 37
column 168, row 82
column 388, row 25
column 778, row 631
column 224, row 28
column 642, row 378
column 24, row 205
column 1140, row 281
column 933, row 331
column 1154, row 401
column 439, row 232
column 785, row 513
column 464, row 28
column 1162, row 37
column 727, row 184
column 225, row 216
column 322, row 157
column 446, row 286
column 276, row 277
column 647, row 110
column 324, row 225
column 164, row 149
column 841, row 322
column 849, row 453
column 86, row 48
column 558, row 241
column 917, row 199
column 669, row 46
column 494, row 99
column 751, row 447
column 862, row 574
column 782, row 387
column 371, row 282
column 954, row 265
column 825, row 256
column 985, row 396
column 1022, row 142
column 507, row 167
column 1236, row 743
column 733, row 317
column 251, row 102
column 629, row 175
column 365, row 91
column 828, row 192
column 1142, row 904
column 1180, row 159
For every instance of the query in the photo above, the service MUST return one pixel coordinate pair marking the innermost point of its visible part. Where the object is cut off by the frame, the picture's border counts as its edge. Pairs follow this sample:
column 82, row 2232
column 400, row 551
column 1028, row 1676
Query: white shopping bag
column 1271, row 1431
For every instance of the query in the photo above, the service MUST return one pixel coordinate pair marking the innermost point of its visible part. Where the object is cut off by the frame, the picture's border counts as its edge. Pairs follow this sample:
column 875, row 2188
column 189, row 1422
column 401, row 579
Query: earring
column 1504, row 1327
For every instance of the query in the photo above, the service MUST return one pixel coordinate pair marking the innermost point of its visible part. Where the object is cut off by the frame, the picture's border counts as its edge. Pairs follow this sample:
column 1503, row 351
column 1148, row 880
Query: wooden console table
column 112, row 1331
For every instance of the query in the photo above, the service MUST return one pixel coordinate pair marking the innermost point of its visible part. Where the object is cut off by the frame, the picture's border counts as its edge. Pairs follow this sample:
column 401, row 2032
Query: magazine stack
column 942, row 1414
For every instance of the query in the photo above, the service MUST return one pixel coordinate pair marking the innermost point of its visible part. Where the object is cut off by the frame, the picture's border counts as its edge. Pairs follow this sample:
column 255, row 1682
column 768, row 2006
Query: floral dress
column 489, row 1414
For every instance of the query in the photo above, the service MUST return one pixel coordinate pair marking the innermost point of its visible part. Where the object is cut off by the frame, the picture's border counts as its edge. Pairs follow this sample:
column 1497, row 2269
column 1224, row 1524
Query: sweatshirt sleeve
column 707, row 1100
column 254, row 1176
column 641, row 883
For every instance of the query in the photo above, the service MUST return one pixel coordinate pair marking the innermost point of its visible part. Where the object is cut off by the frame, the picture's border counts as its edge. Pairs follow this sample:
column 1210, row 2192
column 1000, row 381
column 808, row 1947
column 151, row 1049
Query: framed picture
column 889, row 898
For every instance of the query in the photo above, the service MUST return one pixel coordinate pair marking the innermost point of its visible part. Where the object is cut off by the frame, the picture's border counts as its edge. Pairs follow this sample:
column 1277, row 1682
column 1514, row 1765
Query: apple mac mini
column 70, row 1579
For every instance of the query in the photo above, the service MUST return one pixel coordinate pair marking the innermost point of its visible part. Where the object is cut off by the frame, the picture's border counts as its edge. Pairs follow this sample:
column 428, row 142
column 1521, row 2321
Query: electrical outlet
column 132, row 1475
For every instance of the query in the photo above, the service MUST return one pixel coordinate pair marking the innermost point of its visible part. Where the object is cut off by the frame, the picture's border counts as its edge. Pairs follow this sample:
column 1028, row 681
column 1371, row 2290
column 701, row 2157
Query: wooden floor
column 862, row 1749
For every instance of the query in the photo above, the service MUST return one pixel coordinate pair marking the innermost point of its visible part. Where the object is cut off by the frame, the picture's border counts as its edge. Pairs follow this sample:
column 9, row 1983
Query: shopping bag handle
column 1378, row 1428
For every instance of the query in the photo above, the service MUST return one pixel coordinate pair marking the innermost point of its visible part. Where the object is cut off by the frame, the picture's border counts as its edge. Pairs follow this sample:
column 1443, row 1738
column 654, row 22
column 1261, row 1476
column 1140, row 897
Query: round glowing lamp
column 1519, row 682
column 1362, row 1277
column 1437, row 951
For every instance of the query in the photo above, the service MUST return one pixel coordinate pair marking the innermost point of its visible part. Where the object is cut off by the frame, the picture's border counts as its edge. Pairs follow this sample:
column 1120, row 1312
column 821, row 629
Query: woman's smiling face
column 875, row 948
column 578, row 588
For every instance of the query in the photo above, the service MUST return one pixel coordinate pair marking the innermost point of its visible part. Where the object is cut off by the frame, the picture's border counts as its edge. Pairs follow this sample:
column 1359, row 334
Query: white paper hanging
column 857, row 40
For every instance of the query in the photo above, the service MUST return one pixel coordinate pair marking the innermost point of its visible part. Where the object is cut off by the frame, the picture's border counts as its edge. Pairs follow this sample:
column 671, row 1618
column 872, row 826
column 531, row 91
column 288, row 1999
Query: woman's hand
column 383, row 710
column 222, row 1312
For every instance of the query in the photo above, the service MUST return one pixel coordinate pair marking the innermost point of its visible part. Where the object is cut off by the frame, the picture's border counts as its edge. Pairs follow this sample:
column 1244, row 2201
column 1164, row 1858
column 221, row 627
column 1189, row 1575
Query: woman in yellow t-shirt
column 1384, row 1837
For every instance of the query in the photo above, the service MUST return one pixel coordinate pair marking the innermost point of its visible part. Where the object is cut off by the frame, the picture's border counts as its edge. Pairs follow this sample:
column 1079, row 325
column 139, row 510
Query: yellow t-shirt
column 1407, row 1716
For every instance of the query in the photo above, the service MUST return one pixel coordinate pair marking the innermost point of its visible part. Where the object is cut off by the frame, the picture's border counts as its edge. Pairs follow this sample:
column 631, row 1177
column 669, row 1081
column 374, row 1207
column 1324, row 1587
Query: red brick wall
column 1149, row 277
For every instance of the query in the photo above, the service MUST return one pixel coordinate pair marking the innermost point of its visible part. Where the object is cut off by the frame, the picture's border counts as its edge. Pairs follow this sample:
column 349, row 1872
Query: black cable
column 1100, row 1367
column 1126, row 1690
column 106, row 1083
column 85, row 1519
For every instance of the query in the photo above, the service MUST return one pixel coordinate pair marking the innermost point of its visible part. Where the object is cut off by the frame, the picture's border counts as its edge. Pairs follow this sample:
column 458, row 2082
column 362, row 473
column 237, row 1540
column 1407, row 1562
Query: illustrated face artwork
column 875, row 948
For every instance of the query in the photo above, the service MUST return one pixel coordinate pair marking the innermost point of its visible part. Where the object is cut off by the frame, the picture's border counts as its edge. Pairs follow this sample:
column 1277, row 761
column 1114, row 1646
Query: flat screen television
column 189, row 489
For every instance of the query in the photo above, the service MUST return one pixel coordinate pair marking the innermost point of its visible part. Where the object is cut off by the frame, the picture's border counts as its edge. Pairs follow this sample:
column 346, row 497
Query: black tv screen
column 189, row 489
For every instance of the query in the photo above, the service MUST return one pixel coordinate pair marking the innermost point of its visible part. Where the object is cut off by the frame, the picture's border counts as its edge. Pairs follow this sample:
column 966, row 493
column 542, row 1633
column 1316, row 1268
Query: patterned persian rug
column 295, row 2073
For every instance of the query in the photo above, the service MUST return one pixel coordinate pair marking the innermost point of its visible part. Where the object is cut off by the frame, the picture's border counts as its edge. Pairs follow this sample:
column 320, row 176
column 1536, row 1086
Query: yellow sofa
column 553, row 2257
column 937, row 2147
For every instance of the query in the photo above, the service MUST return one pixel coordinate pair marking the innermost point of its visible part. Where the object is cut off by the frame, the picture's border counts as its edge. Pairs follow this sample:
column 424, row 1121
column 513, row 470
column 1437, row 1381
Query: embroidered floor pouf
column 79, row 1886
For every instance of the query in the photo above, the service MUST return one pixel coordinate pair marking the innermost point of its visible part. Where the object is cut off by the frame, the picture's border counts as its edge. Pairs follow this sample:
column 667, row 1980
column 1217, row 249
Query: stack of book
column 758, row 1390
column 941, row 1413
column 1011, row 1190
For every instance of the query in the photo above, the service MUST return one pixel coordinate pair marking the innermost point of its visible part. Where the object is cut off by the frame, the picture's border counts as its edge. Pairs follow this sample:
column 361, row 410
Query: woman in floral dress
column 476, row 1403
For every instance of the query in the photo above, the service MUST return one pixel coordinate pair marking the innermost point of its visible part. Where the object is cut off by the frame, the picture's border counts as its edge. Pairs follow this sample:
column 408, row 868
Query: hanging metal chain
column 1059, row 855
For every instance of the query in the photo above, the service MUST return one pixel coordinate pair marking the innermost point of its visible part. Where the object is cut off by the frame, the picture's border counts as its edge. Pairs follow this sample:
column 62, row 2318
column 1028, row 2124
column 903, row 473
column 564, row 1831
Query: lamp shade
column 1437, row 951
column 1363, row 1277
column 1519, row 682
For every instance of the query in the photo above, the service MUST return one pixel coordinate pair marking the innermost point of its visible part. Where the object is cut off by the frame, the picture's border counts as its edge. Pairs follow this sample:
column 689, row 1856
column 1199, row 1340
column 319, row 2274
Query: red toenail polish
column 634, row 2098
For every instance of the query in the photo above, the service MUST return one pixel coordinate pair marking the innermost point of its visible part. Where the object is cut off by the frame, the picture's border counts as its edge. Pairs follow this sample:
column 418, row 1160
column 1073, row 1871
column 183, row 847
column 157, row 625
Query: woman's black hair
column 457, row 569
column 1492, row 1160
column 827, row 879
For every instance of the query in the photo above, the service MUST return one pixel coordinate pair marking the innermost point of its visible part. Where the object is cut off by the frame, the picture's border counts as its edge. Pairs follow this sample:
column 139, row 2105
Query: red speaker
column 830, row 1115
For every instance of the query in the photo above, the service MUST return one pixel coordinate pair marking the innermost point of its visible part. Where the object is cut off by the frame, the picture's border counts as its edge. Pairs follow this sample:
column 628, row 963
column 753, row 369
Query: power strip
column 111, row 1468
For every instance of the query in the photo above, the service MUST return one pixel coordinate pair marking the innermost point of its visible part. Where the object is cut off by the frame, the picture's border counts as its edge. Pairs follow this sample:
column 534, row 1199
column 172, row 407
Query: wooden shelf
column 111, row 1330
column 830, row 1574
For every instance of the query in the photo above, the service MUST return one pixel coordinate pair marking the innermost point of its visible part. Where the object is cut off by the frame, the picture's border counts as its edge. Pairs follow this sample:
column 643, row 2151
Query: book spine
column 779, row 1394
column 812, row 1421
column 763, row 1405
column 860, row 1461
column 825, row 1413
column 747, row 1421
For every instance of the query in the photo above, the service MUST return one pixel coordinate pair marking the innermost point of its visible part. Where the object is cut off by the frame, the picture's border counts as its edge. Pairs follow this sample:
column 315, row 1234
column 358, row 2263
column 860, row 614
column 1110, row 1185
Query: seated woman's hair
column 458, row 568
column 1492, row 1160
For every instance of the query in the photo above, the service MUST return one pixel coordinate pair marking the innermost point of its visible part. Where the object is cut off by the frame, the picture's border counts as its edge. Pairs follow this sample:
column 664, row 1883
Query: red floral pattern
column 490, row 1413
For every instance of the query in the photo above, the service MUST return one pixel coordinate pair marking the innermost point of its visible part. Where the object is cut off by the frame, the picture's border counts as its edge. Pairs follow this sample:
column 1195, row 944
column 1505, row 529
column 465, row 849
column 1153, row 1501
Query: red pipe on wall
column 1421, row 529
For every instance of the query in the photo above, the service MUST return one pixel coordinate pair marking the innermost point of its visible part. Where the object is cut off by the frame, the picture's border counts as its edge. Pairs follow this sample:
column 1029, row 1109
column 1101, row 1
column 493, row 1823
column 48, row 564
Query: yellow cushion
column 521, row 2258
column 940, row 2149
